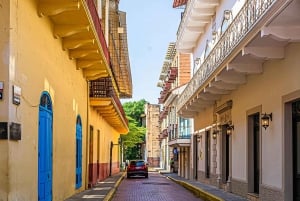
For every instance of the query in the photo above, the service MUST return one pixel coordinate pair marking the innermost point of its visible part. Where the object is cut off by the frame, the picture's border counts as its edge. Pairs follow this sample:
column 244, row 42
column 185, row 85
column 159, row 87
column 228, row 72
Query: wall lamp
column 199, row 138
column 214, row 35
column 227, row 14
column 197, row 61
column 265, row 120
column 215, row 133
column 230, row 128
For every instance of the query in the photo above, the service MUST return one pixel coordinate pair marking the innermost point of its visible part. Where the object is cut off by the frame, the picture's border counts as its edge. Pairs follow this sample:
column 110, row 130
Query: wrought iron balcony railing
column 98, row 27
column 245, row 21
column 178, row 137
column 102, row 89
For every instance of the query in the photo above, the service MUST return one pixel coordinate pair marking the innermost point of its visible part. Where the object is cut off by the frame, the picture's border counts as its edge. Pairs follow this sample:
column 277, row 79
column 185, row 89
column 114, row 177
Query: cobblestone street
column 157, row 187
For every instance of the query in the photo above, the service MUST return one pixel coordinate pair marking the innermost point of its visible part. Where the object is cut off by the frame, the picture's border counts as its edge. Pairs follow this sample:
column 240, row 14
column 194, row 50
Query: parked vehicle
column 137, row 168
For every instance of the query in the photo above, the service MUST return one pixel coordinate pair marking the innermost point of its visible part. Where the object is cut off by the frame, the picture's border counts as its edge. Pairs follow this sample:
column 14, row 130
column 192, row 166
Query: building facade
column 152, row 149
column 243, row 95
column 58, row 124
column 175, row 131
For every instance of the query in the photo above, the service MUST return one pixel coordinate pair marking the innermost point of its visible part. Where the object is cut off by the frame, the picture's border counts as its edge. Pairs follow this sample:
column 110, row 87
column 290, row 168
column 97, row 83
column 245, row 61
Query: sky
column 151, row 26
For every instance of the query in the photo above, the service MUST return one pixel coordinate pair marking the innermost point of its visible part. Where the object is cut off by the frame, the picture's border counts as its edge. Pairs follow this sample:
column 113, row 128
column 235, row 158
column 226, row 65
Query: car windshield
column 137, row 163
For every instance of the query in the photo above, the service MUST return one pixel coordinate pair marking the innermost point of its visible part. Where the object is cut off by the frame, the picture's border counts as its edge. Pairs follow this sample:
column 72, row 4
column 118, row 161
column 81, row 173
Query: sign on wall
column 16, row 95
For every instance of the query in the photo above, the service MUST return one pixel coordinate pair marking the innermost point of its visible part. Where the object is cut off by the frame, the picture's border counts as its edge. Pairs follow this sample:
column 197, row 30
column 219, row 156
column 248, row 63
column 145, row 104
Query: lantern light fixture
column 230, row 128
column 199, row 138
column 227, row 14
column 215, row 133
column 265, row 120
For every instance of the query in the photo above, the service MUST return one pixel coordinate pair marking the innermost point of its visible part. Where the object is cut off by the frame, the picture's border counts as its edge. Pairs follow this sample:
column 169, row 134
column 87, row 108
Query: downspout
column 86, row 138
column 106, row 22
column 110, row 157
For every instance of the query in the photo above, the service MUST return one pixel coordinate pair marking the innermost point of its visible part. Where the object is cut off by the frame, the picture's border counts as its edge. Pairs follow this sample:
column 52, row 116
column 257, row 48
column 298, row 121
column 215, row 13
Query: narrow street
column 156, row 187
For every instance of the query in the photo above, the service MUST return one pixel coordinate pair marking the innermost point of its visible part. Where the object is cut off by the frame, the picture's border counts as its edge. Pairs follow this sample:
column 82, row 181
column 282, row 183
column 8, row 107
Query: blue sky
column 151, row 26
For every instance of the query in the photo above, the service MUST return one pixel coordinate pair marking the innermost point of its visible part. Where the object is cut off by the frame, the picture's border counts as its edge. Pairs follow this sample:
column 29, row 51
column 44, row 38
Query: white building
column 246, row 71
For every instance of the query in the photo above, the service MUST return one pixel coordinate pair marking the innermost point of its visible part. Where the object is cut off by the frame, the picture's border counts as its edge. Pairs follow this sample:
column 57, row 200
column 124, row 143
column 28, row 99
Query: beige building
column 60, row 113
column 244, row 95
column 152, row 149
column 175, row 131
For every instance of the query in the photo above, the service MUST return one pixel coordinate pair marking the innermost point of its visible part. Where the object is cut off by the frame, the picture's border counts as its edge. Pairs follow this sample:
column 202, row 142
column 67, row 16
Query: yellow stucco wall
column 203, row 119
column 32, row 59
column 107, row 134
column 37, row 63
column 4, row 37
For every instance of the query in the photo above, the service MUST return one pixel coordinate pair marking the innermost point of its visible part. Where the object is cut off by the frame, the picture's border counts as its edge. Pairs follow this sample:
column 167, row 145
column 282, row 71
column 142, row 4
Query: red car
column 137, row 167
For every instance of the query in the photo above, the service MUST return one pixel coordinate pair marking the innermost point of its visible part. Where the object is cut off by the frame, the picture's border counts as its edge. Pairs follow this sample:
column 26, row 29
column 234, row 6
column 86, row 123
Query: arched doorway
column 45, row 148
column 78, row 153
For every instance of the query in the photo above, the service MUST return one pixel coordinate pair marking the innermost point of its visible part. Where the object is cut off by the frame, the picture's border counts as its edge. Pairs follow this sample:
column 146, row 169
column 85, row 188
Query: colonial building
column 60, row 85
column 175, row 131
column 244, row 95
column 152, row 149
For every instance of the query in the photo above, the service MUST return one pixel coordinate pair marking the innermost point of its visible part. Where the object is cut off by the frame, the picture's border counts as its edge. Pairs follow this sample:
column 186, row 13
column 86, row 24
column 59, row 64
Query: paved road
column 156, row 187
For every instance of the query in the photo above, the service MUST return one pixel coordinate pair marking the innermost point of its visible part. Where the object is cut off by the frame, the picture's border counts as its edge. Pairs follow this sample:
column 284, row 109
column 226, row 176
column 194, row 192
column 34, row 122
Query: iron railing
column 178, row 137
column 102, row 88
column 246, row 19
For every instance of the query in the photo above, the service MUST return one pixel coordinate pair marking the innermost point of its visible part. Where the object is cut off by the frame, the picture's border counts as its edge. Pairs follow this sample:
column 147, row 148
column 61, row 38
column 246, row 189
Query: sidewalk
column 103, row 191
column 206, row 192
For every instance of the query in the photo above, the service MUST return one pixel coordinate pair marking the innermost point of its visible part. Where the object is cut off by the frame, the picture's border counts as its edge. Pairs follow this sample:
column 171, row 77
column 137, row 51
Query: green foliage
column 135, row 109
column 136, row 135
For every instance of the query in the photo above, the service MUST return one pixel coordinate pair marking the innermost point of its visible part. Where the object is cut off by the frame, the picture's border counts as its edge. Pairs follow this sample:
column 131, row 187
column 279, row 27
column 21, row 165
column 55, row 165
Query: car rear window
column 137, row 163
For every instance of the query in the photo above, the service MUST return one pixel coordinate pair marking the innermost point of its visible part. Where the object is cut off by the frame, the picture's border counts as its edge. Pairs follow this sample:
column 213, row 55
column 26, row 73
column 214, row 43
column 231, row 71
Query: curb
column 197, row 191
column 111, row 193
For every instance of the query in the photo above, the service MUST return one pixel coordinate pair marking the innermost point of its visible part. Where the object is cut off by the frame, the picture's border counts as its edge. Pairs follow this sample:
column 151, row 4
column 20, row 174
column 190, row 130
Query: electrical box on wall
column 16, row 95
column 1, row 90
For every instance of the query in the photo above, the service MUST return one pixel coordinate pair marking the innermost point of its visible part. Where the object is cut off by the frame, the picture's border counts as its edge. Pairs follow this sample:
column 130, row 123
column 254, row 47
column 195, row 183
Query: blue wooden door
column 45, row 149
column 78, row 153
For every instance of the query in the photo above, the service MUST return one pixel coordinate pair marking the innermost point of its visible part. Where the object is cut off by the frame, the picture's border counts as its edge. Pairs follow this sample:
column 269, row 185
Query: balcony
column 163, row 113
column 118, row 49
column 104, row 101
column 180, row 141
column 168, row 73
column 176, row 139
column 78, row 26
column 163, row 134
column 259, row 32
column 172, row 74
column 197, row 15
column 178, row 3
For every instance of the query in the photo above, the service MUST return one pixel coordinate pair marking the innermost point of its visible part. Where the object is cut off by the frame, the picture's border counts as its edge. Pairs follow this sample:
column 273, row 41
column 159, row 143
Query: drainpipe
column 86, row 139
column 110, row 157
column 106, row 22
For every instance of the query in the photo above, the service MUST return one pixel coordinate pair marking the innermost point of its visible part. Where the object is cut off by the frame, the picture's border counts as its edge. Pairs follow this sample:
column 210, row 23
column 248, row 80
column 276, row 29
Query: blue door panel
column 78, row 153
column 45, row 155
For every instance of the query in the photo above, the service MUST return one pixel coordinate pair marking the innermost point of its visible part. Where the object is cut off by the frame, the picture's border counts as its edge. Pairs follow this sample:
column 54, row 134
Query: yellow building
column 60, row 113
